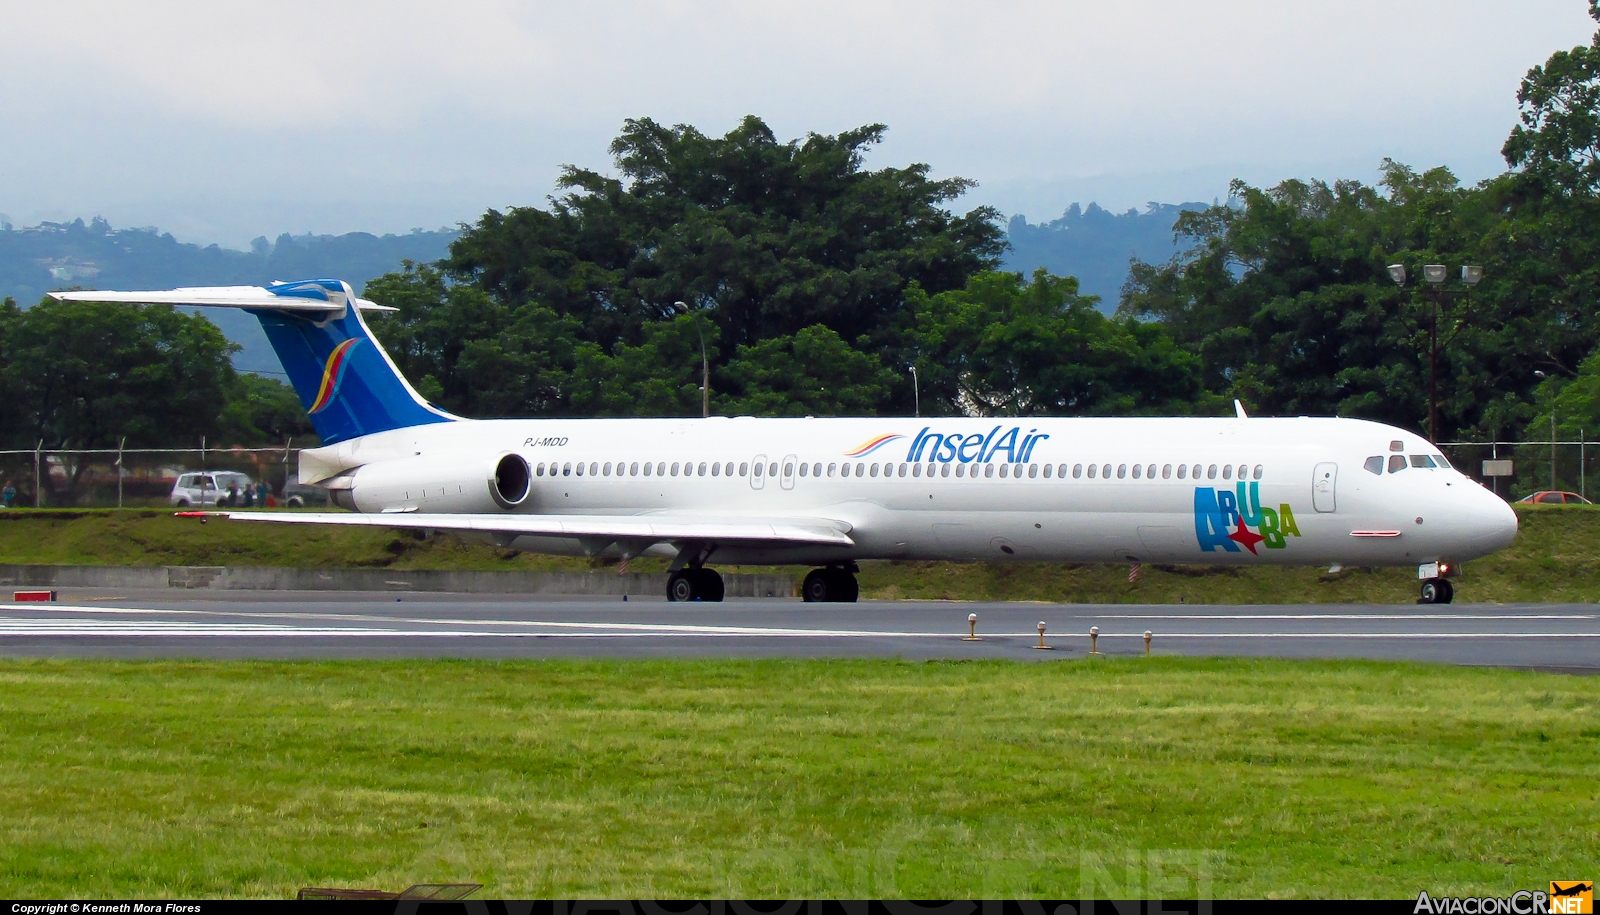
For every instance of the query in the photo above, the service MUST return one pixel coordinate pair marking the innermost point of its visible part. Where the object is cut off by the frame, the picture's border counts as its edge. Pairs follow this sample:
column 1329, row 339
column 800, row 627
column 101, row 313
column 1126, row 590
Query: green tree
column 260, row 410
column 811, row 373
column 470, row 353
column 1006, row 346
column 766, row 238
column 659, row 377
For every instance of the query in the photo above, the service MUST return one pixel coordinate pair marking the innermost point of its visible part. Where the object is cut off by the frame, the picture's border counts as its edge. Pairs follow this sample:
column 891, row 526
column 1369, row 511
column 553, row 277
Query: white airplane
column 831, row 492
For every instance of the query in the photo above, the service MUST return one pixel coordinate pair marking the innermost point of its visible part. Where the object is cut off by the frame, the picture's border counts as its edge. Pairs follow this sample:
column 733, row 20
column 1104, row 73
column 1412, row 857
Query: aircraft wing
column 643, row 528
column 288, row 297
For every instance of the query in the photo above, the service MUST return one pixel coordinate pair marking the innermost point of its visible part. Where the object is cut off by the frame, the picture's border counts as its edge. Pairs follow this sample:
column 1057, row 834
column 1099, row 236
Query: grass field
column 795, row 778
column 1556, row 558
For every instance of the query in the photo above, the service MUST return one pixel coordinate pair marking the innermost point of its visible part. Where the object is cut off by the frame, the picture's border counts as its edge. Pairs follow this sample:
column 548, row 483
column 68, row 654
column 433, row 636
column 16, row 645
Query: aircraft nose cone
column 1492, row 522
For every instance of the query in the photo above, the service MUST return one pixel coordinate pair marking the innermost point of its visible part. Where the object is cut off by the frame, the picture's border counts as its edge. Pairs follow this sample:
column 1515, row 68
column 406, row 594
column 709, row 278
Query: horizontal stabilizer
column 293, row 297
column 639, row 528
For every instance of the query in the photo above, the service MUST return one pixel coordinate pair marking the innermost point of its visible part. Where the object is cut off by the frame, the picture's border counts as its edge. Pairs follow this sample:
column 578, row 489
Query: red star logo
column 1247, row 538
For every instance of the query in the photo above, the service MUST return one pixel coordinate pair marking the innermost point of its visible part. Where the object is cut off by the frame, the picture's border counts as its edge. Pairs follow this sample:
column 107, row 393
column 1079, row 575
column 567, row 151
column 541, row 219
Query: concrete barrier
column 244, row 578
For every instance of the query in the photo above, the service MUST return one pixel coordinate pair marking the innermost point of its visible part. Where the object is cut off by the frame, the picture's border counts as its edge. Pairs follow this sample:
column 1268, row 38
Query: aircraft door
column 787, row 480
column 758, row 471
column 1323, row 483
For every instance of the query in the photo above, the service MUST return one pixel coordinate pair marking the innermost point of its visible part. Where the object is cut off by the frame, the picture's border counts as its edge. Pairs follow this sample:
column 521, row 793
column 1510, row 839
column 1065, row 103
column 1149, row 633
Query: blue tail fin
column 348, row 384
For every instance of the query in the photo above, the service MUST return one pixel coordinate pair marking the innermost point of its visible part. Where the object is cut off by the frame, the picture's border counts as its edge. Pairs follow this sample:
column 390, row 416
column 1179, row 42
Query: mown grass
column 1556, row 557
column 1242, row 778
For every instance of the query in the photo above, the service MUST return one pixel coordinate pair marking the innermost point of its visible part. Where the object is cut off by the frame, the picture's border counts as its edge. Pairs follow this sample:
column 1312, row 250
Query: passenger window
column 1259, row 469
column 606, row 470
column 1397, row 463
column 1122, row 471
column 1105, row 471
column 594, row 468
column 716, row 468
column 832, row 468
column 961, row 470
column 661, row 468
column 1195, row 472
column 744, row 467
column 727, row 469
column 816, row 470
column 1211, row 472
column 902, row 470
column 1003, row 471
column 648, row 468
column 772, row 469
column 566, row 470
column 916, row 470
column 760, row 469
column 988, row 470
column 633, row 469
column 674, row 468
column 701, row 470
column 804, row 468
column 1183, row 471
column 944, row 470
column 1092, row 469
column 1227, row 471
column 1166, row 471
column 874, row 470
column 1138, row 471
column 1421, row 460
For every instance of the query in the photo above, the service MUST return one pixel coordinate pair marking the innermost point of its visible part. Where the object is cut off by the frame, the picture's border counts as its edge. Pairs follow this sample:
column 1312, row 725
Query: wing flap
column 653, row 528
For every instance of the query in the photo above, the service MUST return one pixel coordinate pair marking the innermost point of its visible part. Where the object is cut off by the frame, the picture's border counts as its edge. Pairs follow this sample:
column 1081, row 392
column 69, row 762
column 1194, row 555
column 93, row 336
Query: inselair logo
column 1223, row 520
column 333, row 374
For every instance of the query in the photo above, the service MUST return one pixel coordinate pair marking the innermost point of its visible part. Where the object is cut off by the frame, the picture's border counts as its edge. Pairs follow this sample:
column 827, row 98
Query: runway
column 175, row 623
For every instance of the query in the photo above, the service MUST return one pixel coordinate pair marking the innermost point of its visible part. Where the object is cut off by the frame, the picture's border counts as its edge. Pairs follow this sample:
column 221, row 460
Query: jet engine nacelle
column 444, row 483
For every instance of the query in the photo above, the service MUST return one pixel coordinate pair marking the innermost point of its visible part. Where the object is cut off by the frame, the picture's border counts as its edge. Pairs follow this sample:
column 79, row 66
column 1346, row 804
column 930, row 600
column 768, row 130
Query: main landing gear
column 1437, row 591
column 695, row 584
column 835, row 584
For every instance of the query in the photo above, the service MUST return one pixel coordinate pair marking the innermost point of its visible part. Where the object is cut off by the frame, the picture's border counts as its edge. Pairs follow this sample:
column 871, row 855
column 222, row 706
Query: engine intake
column 512, row 482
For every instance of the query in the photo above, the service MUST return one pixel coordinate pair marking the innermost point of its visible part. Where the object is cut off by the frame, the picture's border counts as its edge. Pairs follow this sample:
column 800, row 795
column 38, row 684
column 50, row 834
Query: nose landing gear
column 834, row 584
column 1437, row 591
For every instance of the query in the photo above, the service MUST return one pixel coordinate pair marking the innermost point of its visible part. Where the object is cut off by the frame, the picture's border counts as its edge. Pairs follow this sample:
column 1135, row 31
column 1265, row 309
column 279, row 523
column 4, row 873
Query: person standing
column 8, row 496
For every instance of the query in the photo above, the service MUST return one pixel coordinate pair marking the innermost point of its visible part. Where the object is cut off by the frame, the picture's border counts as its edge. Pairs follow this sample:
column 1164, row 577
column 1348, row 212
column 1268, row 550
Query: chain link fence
column 154, row 477
column 1527, row 467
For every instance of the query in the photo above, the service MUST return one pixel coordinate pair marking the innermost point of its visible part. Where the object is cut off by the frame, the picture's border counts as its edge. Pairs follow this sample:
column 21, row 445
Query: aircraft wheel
column 1431, row 592
column 710, row 586
column 845, row 587
column 681, row 585
column 817, row 587
column 1447, row 591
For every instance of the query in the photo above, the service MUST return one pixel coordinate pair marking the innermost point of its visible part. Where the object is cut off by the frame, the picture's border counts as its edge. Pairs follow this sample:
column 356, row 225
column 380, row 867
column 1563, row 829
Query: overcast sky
column 220, row 122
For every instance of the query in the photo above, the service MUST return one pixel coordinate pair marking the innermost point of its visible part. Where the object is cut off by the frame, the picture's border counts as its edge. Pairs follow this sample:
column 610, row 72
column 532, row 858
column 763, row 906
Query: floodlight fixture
column 1397, row 272
column 1471, row 275
column 1434, row 273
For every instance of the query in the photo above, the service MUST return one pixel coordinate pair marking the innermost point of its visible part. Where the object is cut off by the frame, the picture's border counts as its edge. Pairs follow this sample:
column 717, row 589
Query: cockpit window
column 1374, row 464
column 1439, row 461
column 1421, row 460
column 1397, row 463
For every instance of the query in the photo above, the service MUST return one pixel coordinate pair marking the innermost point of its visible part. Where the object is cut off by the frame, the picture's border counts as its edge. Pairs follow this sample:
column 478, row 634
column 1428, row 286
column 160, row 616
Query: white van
column 208, row 488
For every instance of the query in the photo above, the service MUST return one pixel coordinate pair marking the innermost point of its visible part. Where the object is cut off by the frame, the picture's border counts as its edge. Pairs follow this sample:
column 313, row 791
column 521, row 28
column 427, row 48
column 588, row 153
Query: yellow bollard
column 1147, row 643
column 1041, row 644
column 972, row 628
column 1094, row 639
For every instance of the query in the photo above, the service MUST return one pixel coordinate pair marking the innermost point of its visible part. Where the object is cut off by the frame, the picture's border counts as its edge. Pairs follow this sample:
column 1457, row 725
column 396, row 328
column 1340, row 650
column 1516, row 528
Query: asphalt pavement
column 180, row 624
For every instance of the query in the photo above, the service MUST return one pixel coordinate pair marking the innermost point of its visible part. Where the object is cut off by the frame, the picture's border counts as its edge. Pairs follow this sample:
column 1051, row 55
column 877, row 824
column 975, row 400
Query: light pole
column 705, row 364
column 1434, row 275
column 916, row 393
column 1539, row 374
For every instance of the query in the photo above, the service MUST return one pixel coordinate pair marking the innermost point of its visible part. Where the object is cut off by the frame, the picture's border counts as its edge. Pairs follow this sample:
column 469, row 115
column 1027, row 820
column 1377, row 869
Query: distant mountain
column 1094, row 245
column 37, row 259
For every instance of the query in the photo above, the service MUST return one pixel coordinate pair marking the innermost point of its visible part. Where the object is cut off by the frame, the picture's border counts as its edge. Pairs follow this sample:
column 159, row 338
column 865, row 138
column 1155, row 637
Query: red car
column 1556, row 498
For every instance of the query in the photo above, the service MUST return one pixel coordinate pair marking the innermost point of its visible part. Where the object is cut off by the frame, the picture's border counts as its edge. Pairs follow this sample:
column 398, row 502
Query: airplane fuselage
column 1292, row 491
